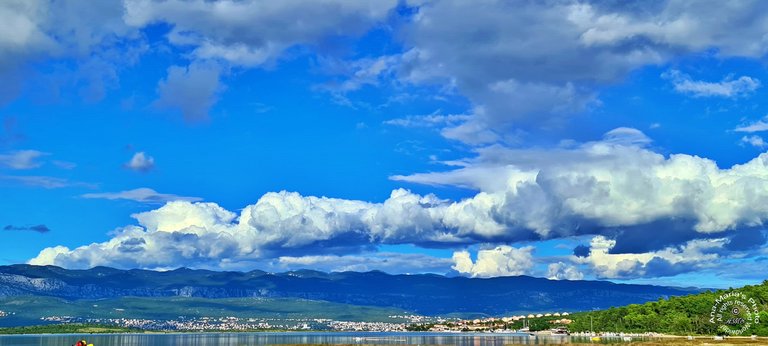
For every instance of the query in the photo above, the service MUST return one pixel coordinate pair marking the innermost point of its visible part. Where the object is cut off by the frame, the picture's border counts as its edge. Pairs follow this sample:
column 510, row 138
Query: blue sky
column 568, row 140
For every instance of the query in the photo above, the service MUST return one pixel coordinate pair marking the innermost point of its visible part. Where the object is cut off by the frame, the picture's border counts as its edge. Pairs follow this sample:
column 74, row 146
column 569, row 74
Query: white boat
column 525, row 329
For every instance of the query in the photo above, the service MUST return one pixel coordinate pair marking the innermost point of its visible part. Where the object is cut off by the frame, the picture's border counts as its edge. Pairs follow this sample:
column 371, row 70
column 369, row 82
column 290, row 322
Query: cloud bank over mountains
column 525, row 70
column 615, row 189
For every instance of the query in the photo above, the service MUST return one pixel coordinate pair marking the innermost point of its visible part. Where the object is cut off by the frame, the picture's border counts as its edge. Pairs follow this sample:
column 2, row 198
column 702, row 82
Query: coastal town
column 397, row 323
column 557, row 321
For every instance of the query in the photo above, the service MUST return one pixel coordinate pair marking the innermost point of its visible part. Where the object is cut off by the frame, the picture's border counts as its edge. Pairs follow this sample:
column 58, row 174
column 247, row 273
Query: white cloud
column 431, row 120
column 471, row 132
column 390, row 262
column 507, row 66
column 502, row 260
column 19, row 27
column 248, row 34
column 104, row 37
column 626, row 136
column 142, row 195
column 21, row 159
column 693, row 255
column 252, row 33
column 32, row 30
column 141, row 162
column 533, row 65
column 757, row 126
column 200, row 234
column 604, row 184
column 754, row 140
column 462, row 262
column 562, row 271
column 728, row 87
column 595, row 188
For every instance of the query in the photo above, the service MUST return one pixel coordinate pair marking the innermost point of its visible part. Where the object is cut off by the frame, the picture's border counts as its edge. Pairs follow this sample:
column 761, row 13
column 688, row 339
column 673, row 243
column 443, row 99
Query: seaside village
column 549, row 323
column 554, row 323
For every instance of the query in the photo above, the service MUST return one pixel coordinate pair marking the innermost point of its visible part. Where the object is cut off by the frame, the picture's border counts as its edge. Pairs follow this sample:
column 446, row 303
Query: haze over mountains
column 426, row 294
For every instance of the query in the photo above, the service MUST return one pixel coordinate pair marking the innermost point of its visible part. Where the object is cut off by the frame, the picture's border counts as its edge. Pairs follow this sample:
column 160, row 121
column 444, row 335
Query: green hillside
column 75, row 328
column 32, row 308
column 684, row 315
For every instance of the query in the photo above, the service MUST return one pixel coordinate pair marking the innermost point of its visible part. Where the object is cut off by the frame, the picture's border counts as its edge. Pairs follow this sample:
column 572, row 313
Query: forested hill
column 686, row 315
column 424, row 294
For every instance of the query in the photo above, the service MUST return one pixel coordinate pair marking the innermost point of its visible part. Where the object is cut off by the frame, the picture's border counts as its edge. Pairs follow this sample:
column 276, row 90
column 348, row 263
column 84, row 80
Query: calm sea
column 216, row 339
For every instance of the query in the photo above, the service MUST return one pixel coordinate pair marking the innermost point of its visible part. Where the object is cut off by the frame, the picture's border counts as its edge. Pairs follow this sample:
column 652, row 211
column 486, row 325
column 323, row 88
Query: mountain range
column 426, row 294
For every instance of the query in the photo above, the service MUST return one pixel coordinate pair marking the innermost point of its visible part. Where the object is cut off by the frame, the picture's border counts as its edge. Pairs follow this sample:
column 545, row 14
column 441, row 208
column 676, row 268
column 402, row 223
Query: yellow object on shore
column 596, row 338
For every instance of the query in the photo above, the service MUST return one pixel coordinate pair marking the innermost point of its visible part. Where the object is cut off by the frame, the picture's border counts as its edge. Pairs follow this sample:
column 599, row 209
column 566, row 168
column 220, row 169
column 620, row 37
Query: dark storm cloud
column 655, row 236
column 747, row 240
column 581, row 251
column 659, row 267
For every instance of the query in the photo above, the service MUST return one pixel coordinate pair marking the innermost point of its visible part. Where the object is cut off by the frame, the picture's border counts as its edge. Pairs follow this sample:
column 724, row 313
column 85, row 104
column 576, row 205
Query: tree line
column 683, row 315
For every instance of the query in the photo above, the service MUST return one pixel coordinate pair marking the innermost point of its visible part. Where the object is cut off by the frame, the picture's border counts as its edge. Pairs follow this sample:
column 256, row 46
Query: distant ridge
column 427, row 294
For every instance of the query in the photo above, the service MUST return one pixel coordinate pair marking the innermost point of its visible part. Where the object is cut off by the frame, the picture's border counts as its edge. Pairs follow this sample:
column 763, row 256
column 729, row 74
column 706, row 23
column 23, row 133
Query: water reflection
column 238, row 339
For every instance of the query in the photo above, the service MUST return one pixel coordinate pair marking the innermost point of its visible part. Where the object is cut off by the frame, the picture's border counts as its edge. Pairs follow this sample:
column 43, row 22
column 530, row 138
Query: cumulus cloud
column 184, row 233
column 22, row 38
column 616, row 188
column 251, row 33
column 104, row 38
column 728, row 87
column 694, row 255
column 141, row 195
column 39, row 29
column 248, row 34
column 562, row 271
column 141, row 162
column 507, row 66
column 502, row 260
column 516, row 77
column 22, row 159
column 609, row 184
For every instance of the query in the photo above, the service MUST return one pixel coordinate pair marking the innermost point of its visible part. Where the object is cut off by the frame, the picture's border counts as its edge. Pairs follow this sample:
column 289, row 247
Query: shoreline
column 532, row 334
